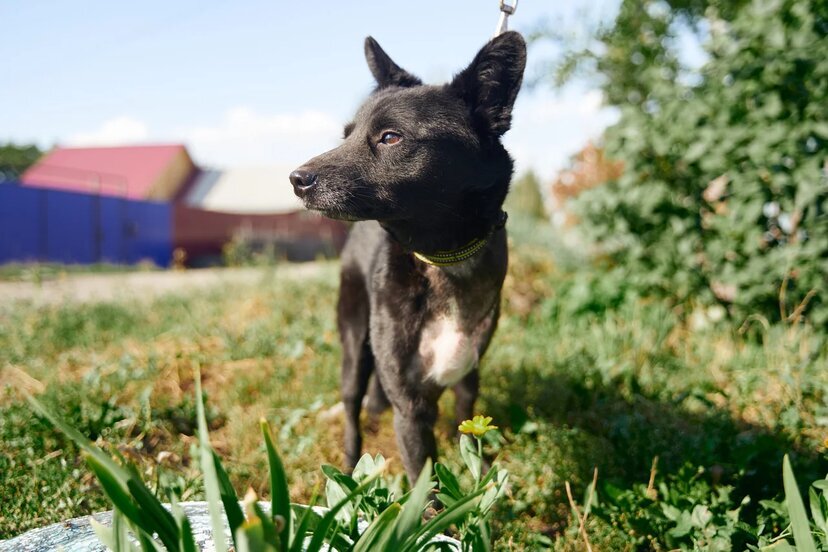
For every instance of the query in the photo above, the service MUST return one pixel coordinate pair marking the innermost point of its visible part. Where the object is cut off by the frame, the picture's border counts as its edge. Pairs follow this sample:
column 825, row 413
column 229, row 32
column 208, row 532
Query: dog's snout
column 302, row 181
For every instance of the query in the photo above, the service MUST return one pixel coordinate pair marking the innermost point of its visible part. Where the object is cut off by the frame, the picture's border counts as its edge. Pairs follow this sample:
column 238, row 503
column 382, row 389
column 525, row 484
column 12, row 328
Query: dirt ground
column 88, row 288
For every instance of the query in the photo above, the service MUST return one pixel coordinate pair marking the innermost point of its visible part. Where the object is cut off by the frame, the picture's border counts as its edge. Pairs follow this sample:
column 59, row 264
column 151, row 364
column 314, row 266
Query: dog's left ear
column 385, row 71
column 491, row 83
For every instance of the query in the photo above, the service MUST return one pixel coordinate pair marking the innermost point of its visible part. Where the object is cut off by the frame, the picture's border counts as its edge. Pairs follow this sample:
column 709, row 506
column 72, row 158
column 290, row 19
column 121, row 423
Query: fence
column 38, row 224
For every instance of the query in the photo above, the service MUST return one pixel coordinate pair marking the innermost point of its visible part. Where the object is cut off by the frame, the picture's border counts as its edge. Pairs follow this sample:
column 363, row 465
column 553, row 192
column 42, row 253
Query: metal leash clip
column 507, row 8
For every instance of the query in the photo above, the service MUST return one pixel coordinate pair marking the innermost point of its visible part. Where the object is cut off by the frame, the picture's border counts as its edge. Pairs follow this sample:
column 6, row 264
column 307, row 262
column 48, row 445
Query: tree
column 724, row 193
column 525, row 197
column 14, row 159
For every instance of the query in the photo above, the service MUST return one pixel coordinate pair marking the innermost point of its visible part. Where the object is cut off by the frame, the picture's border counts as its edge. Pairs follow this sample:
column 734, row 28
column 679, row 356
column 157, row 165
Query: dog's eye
column 390, row 138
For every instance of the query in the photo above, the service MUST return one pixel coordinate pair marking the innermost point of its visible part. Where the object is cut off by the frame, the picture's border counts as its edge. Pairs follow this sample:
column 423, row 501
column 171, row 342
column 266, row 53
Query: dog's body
column 423, row 169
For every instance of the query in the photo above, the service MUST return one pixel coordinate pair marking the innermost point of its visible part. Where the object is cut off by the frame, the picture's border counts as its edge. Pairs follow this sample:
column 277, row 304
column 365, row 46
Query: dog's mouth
column 337, row 214
column 340, row 208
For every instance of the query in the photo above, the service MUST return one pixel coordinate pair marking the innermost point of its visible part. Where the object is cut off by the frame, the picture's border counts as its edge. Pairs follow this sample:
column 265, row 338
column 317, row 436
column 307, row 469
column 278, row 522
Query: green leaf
column 379, row 534
column 186, row 539
column 235, row 516
column 821, row 484
column 268, row 525
column 121, row 499
column 815, row 499
column 796, row 509
column 119, row 473
column 251, row 537
column 308, row 521
column 163, row 522
column 468, row 452
column 278, row 486
column 212, row 488
column 442, row 521
column 324, row 525
column 115, row 537
column 448, row 481
column 412, row 512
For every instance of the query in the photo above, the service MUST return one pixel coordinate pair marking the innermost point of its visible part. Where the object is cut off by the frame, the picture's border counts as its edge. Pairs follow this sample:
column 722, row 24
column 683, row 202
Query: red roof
column 127, row 171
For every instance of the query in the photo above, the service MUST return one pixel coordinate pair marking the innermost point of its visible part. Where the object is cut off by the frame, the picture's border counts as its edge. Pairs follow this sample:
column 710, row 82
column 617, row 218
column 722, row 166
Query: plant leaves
column 280, row 502
column 212, row 488
column 796, row 509
column 379, row 534
column 412, row 512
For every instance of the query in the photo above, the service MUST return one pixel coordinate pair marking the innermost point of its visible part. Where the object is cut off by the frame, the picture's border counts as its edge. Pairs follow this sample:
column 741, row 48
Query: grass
column 578, row 376
column 40, row 272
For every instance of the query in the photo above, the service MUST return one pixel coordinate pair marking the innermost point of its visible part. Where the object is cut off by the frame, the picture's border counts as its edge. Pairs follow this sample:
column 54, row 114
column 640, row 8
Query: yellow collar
column 446, row 258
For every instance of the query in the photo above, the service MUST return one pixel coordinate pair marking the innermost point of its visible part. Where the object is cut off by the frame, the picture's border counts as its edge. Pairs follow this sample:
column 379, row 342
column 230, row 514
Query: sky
column 250, row 83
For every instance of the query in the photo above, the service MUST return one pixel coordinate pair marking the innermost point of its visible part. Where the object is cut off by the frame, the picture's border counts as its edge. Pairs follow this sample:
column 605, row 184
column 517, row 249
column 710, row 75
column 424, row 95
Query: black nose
column 302, row 181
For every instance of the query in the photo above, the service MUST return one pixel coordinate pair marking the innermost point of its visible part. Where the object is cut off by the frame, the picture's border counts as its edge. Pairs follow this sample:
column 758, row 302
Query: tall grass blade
column 235, row 516
column 163, row 521
column 186, row 539
column 379, row 535
column 119, row 530
column 208, row 468
column 122, row 501
column 321, row 530
column 442, row 521
column 81, row 441
column 800, row 526
column 412, row 512
column 816, row 501
column 308, row 519
column 280, row 495
column 115, row 538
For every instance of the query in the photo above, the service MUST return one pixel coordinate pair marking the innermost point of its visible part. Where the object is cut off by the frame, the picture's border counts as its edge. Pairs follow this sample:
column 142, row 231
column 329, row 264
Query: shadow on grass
column 560, row 427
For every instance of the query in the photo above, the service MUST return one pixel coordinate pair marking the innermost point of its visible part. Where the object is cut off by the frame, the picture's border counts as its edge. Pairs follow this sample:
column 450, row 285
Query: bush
column 724, row 194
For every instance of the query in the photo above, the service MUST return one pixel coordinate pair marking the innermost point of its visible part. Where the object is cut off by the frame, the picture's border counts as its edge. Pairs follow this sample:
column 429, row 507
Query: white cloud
column 120, row 130
column 241, row 137
column 546, row 130
column 245, row 137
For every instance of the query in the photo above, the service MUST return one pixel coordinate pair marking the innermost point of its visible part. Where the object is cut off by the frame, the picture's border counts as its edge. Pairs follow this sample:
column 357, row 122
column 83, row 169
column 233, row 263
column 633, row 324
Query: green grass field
column 577, row 377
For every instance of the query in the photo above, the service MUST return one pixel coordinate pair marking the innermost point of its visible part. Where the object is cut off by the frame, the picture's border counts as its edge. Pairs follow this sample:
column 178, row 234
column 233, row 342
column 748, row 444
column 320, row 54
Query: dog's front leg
column 414, row 425
column 465, row 394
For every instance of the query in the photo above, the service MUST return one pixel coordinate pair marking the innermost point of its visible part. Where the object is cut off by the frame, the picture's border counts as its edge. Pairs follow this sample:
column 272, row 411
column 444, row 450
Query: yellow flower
column 478, row 426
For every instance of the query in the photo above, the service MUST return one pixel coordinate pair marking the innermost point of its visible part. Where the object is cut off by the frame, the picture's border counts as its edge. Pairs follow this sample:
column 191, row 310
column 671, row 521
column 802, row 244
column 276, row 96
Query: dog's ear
column 385, row 71
column 491, row 83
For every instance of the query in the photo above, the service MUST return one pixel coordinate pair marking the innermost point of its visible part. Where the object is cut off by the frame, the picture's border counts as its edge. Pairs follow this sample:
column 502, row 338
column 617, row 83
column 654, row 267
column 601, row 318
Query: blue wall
column 38, row 224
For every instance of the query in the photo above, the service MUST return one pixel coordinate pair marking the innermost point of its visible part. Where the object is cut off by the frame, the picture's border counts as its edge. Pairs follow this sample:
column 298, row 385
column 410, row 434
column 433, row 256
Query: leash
column 507, row 8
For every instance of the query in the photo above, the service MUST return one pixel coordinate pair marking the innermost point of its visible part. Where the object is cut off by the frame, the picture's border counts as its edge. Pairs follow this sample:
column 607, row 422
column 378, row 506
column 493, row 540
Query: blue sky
column 257, row 83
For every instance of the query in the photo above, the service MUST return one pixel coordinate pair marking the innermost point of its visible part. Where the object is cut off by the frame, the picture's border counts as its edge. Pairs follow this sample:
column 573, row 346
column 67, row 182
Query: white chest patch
column 446, row 350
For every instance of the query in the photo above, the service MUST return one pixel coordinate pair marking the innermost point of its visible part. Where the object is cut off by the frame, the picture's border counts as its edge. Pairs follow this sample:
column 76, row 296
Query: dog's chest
column 448, row 348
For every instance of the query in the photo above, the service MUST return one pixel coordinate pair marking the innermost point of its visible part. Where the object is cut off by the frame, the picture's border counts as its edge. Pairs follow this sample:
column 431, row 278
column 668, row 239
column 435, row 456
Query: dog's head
column 420, row 151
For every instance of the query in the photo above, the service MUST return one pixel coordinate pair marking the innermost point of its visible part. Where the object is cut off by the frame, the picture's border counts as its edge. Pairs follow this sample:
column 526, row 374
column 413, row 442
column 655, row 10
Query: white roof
column 245, row 190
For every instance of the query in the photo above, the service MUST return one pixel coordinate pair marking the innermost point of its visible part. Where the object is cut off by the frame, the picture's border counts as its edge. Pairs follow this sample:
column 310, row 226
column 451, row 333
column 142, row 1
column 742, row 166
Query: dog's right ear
column 385, row 71
column 490, row 84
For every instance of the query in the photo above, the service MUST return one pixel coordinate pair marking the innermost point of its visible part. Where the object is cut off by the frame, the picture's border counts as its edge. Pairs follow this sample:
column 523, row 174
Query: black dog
column 424, row 168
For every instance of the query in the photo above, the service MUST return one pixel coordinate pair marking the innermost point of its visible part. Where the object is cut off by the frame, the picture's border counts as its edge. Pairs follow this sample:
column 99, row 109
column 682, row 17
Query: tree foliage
column 14, row 159
column 525, row 197
column 724, row 194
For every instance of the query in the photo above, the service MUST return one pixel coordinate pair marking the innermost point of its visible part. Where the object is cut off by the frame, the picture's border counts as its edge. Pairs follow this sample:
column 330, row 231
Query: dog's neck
column 454, row 240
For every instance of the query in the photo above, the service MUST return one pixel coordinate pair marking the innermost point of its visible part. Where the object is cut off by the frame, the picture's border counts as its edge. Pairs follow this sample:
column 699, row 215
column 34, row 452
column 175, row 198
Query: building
column 129, row 204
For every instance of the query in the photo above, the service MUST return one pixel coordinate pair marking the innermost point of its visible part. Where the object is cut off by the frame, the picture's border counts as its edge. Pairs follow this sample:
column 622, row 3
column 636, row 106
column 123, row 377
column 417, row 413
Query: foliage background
column 724, row 195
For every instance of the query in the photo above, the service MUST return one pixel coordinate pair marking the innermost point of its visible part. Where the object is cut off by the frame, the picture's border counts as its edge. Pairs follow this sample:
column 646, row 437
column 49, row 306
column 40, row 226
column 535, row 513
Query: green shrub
column 724, row 196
